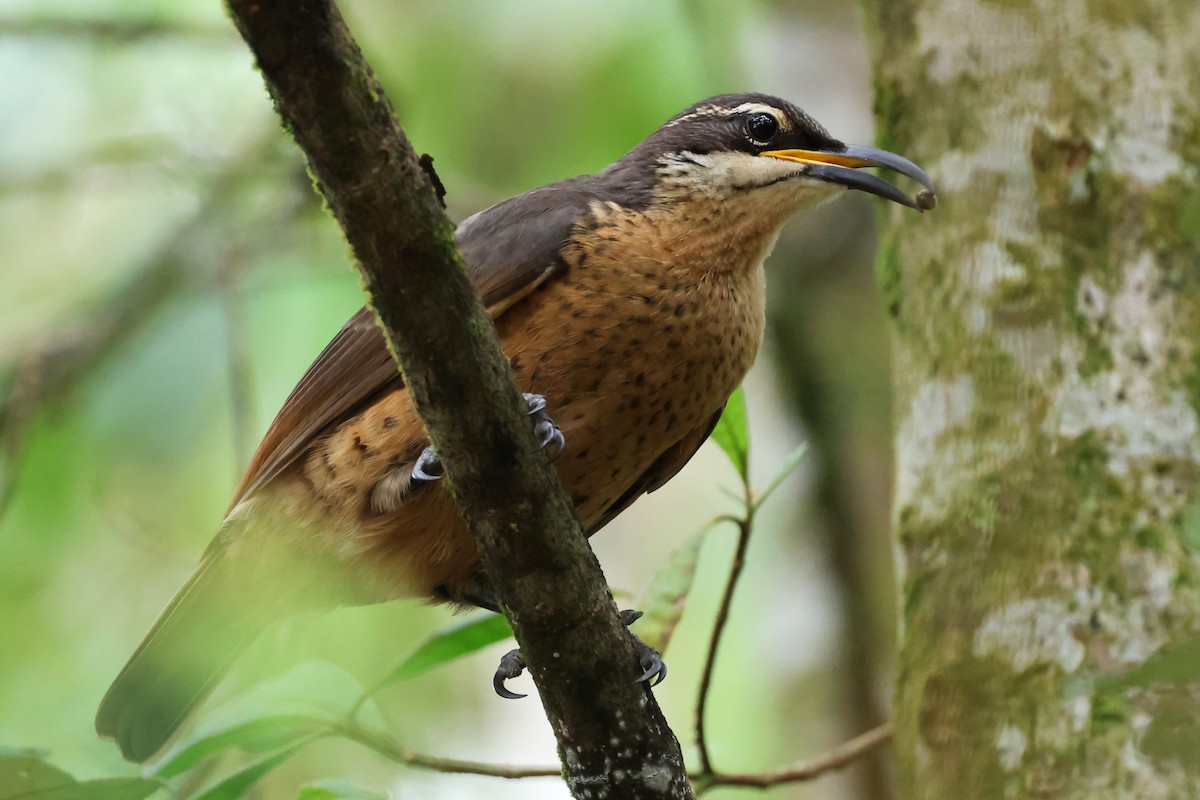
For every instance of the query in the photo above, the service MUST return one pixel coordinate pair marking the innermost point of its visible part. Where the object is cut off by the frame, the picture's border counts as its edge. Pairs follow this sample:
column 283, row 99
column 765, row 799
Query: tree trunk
column 1047, row 509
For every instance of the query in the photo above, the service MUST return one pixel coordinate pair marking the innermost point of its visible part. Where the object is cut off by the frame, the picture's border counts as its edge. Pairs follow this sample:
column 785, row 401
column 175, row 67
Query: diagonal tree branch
column 611, row 733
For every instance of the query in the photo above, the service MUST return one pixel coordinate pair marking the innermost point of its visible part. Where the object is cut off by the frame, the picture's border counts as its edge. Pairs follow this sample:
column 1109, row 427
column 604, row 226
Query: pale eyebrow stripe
column 712, row 111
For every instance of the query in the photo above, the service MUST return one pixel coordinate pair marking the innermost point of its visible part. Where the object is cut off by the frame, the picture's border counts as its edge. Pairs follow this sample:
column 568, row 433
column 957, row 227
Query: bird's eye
column 762, row 127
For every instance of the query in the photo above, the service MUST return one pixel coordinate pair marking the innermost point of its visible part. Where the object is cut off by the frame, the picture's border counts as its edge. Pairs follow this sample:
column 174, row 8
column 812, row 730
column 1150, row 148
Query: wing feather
column 510, row 249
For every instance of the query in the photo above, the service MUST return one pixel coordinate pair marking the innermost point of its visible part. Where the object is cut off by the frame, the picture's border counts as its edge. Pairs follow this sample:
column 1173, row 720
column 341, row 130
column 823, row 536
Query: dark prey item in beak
column 839, row 167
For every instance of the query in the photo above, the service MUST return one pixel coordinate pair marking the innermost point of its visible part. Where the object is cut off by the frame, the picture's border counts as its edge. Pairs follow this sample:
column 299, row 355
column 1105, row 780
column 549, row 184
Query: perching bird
column 631, row 300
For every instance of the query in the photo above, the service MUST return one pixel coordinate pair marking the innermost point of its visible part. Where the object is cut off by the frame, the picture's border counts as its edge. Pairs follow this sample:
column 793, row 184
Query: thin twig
column 745, row 525
column 113, row 29
column 837, row 758
column 391, row 750
column 439, row 188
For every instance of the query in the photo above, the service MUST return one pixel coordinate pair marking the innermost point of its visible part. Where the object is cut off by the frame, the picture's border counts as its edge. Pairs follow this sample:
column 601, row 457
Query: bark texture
column 613, row 739
column 1047, row 316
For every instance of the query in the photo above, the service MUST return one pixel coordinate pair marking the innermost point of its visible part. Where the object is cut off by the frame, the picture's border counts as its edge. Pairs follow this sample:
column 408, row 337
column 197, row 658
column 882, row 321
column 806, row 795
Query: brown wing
column 664, row 468
column 510, row 249
column 353, row 367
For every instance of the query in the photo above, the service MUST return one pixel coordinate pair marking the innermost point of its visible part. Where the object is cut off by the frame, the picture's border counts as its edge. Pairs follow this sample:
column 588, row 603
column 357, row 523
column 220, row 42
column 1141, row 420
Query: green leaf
column 315, row 689
column 732, row 436
column 234, row 785
column 666, row 595
column 22, row 752
column 100, row 789
column 789, row 466
column 338, row 790
column 291, row 707
column 448, row 644
column 261, row 735
column 25, row 776
column 22, row 772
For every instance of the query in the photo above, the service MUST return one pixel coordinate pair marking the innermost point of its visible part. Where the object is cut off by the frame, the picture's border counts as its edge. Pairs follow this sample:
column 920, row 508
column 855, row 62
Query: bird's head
column 764, row 153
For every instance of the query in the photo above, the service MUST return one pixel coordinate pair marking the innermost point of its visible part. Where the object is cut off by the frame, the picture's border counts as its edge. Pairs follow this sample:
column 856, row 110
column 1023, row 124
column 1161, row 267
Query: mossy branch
column 611, row 733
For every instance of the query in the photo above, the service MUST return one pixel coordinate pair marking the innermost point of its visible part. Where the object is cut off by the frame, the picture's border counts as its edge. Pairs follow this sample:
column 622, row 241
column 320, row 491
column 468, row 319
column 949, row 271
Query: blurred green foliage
column 139, row 145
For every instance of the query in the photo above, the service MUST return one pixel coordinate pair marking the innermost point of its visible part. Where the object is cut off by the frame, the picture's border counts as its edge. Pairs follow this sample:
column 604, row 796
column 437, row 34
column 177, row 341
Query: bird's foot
column 650, row 659
column 549, row 435
column 428, row 466
column 512, row 663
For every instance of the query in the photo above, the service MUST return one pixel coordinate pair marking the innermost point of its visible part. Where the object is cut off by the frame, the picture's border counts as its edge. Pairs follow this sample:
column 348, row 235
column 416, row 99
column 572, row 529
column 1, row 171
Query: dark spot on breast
column 328, row 463
column 678, row 311
column 358, row 444
column 515, row 362
column 389, row 422
column 640, row 380
column 578, row 499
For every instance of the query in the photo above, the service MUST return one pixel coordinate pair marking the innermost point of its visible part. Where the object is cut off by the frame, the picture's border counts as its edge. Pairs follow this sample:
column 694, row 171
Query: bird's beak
column 840, row 166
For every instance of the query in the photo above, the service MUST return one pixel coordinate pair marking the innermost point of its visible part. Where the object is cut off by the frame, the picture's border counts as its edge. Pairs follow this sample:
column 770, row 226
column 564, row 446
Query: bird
column 630, row 303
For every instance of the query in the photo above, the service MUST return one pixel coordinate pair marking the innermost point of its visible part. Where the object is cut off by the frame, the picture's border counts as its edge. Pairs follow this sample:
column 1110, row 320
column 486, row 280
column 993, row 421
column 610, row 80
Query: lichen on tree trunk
column 1047, row 375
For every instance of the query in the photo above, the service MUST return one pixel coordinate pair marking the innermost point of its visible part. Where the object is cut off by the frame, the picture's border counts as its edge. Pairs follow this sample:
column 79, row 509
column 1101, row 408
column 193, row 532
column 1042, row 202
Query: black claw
column 653, row 666
column 551, row 436
column 544, row 427
column 512, row 664
column 534, row 402
column 428, row 460
column 656, row 668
